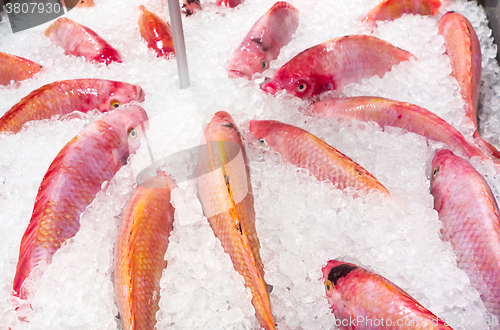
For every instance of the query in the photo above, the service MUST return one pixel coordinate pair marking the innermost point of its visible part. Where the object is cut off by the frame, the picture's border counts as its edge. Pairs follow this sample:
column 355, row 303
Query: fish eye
column 301, row 87
column 115, row 104
column 263, row 65
column 328, row 286
column 132, row 133
column 435, row 172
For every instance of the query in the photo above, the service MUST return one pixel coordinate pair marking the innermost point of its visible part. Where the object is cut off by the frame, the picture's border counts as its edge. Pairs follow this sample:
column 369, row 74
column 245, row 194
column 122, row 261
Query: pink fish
column 334, row 64
column 471, row 223
column 387, row 112
column 226, row 196
column 389, row 10
column 264, row 41
column 79, row 40
column 228, row 3
column 71, row 184
column 157, row 33
column 189, row 7
column 14, row 68
column 464, row 50
column 364, row 300
column 65, row 96
column 305, row 150
column 140, row 249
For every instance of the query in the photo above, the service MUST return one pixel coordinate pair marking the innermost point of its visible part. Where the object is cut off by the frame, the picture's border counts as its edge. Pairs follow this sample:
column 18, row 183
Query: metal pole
column 179, row 45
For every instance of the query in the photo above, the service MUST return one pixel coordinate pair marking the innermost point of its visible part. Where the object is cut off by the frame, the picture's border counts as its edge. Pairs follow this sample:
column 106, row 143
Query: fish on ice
column 335, row 63
column 389, row 10
column 15, row 68
column 471, row 223
column 363, row 300
column 227, row 200
column 65, row 96
column 140, row 248
column 157, row 33
column 228, row 3
column 264, row 41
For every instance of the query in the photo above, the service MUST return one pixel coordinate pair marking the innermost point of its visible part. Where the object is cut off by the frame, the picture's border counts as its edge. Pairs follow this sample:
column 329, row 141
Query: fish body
column 14, row 68
column 305, row 150
column 189, row 7
column 389, row 10
column 264, row 41
column 65, row 96
column 228, row 3
column 363, row 300
column 79, row 40
column 157, row 33
column 140, row 248
column 71, row 183
column 471, row 223
column 333, row 64
column 227, row 200
column 387, row 112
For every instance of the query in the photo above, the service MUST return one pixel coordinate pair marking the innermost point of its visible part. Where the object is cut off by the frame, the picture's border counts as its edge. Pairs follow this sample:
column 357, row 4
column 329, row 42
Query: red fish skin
column 471, row 223
column 72, row 182
column 355, row 293
column 264, row 41
column 65, row 96
column 387, row 112
column 305, row 150
column 227, row 201
column 189, row 7
column 15, row 68
column 157, row 33
column 389, row 10
column 228, row 3
column 335, row 63
column 79, row 40
column 142, row 241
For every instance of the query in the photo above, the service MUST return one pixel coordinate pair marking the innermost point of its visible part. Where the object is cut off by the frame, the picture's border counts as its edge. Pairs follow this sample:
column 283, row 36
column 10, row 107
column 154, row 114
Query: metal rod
column 179, row 45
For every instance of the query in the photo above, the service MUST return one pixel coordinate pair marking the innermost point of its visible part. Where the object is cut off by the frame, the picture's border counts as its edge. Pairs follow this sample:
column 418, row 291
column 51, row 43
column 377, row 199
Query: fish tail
column 493, row 151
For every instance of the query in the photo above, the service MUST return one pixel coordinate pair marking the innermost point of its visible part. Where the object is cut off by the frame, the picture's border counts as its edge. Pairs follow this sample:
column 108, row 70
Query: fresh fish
column 189, row 7
column 334, row 64
column 389, row 10
column 140, row 249
column 228, row 3
column 157, row 33
column 65, row 96
column 364, row 300
column 471, row 223
column 264, row 41
column 464, row 50
column 79, row 40
column 14, row 68
column 227, row 200
column 71, row 184
column 387, row 112
column 305, row 150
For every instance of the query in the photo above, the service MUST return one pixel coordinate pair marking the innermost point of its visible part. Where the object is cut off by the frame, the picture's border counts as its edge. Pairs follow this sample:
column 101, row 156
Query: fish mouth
column 269, row 88
column 141, row 95
column 237, row 74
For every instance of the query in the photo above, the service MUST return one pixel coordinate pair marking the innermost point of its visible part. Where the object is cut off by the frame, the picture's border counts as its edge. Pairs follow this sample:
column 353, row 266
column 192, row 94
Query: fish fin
column 493, row 151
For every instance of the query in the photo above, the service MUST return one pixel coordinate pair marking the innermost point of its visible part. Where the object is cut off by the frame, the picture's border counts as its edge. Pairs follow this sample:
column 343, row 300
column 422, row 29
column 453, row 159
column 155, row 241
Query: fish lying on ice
column 464, row 50
column 333, row 64
column 387, row 112
column 389, row 10
column 65, row 96
column 305, row 150
column 15, row 68
column 228, row 3
column 364, row 300
column 71, row 184
column 227, row 201
column 157, row 33
column 471, row 223
column 140, row 248
column 264, row 41
column 79, row 40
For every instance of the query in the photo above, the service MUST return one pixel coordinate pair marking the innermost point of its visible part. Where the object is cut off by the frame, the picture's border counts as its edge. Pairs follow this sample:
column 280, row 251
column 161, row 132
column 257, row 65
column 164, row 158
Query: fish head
column 253, row 57
column 264, row 131
column 222, row 128
column 440, row 162
column 334, row 274
column 123, row 93
column 295, row 83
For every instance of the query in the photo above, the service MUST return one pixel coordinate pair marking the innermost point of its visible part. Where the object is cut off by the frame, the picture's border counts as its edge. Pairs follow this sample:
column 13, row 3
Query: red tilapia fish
column 157, row 33
column 464, row 50
column 79, row 40
column 264, row 41
column 305, row 150
column 471, row 223
column 227, row 200
column 71, row 184
column 228, row 3
column 189, row 7
column 389, row 10
column 140, row 248
column 65, row 96
column 334, row 64
column 14, row 68
column 364, row 300
column 387, row 112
